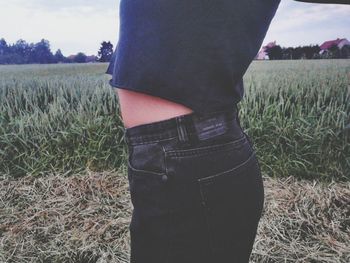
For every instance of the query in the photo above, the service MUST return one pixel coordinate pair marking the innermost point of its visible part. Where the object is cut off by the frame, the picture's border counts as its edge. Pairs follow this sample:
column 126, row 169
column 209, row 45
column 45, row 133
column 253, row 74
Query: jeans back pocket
column 233, row 202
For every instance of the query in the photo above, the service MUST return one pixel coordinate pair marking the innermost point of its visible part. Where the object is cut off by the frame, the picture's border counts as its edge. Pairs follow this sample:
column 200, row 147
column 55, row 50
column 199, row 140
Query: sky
column 81, row 25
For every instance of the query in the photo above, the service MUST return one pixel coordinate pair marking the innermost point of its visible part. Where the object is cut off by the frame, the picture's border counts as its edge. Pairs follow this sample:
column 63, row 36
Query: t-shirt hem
column 127, row 87
column 194, row 109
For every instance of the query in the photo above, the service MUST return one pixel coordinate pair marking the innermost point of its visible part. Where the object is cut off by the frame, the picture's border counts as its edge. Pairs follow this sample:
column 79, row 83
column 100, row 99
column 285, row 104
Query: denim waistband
column 186, row 127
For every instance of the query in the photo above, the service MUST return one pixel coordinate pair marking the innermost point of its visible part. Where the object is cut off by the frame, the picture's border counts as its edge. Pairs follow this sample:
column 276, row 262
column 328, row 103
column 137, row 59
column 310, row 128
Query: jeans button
column 164, row 178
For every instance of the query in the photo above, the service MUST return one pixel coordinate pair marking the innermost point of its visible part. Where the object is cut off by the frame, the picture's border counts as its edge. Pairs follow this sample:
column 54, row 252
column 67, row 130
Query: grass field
column 66, row 118
column 63, row 186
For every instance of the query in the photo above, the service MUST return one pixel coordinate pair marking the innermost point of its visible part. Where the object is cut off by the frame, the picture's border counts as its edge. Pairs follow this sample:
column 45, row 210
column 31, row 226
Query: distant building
column 91, row 59
column 262, row 53
column 340, row 42
column 71, row 57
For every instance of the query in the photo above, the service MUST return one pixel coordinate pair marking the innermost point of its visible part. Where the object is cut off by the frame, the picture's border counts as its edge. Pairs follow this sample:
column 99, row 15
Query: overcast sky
column 81, row 25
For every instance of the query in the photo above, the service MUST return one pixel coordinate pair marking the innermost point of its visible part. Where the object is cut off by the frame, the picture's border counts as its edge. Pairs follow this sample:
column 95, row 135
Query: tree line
column 22, row 52
column 307, row 52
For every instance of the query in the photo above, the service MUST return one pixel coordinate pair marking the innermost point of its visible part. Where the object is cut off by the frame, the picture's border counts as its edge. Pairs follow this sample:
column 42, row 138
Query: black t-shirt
column 190, row 52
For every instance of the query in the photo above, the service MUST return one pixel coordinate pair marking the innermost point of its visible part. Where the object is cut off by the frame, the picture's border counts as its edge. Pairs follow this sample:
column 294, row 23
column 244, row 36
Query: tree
column 334, row 51
column 106, row 51
column 309, row 52
column 297, row 52
column 91, row 58
column 80, row 58
column 345, row 51
column 287, row 53
column 5, row 56
column 42, row 53
column 20, row 52
column 316, row 51
column 59, row 56
column 275, row 52
column 3, row 47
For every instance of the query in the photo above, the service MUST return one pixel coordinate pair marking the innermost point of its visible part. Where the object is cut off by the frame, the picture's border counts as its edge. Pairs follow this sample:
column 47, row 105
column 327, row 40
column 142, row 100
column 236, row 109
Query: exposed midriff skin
column 139, row 108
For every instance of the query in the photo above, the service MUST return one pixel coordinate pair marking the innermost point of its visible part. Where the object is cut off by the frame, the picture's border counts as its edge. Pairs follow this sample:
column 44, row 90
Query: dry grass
column 304, row 221
column 85, row 218
column 65, row 219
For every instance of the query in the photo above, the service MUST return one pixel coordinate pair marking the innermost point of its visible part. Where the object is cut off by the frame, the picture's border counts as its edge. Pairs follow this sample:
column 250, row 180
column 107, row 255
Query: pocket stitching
column 224, row 173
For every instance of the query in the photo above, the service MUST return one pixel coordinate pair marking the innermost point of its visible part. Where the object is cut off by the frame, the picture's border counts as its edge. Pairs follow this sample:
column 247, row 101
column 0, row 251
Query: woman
column 195, row 181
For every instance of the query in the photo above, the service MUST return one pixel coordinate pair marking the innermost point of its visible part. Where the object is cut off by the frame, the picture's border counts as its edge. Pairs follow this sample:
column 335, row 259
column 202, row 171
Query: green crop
column 65, row 118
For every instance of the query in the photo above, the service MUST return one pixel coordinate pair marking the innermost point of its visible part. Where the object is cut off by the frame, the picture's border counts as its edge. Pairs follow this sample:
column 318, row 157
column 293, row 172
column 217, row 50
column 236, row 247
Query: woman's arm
column 345, row 2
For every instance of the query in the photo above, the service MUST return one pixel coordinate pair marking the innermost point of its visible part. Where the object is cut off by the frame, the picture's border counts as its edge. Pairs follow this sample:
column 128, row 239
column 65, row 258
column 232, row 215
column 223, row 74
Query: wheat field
column 63, row 184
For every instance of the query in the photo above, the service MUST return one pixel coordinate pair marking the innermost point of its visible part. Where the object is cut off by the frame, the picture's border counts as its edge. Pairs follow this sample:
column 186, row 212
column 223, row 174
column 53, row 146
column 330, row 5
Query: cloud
column 304, row 23
column 81, row 25
column 66, row 5
column 293, row 15
column 72, row 28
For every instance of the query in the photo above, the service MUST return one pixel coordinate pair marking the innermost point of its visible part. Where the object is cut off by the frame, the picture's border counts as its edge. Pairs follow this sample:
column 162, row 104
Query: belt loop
column 181, row 129
column 125, row 137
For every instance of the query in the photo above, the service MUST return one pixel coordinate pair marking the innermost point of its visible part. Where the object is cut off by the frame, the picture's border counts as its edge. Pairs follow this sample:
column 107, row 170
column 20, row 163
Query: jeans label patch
column 210, row 127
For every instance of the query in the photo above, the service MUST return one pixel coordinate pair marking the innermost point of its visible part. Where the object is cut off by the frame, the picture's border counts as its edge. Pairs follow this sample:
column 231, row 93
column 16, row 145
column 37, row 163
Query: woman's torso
column 138, row 108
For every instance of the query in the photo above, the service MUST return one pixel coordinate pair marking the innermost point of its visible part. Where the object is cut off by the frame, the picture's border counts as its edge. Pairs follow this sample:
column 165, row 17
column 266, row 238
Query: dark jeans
column 196, row 189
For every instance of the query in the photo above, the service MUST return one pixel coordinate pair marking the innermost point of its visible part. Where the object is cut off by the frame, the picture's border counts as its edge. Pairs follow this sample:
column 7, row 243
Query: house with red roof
column 262, row 53
column 340, row 42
